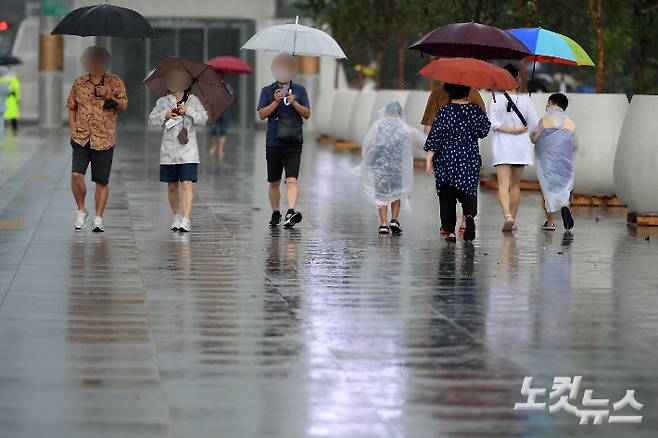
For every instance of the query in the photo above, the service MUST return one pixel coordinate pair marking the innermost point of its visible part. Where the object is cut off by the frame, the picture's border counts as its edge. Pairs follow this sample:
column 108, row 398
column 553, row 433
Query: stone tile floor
column 326, row 330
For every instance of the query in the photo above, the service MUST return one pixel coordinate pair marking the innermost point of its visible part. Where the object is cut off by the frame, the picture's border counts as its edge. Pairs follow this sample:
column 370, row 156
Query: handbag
column 512, row 106
column 182, row 136
column 288, row 129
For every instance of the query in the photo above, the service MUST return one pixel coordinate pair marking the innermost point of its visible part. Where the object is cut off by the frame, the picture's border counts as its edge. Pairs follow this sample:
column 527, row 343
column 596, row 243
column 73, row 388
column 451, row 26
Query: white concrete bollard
column 598, row 119
column 360, row 122
column 636, row 160
column 322, row 111
column 341, row 113
column 414, row 109
column 385, row 96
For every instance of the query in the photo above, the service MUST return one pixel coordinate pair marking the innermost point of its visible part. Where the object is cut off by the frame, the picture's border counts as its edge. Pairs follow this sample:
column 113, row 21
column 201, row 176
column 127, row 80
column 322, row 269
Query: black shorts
column 101, row 162
column 280, row 158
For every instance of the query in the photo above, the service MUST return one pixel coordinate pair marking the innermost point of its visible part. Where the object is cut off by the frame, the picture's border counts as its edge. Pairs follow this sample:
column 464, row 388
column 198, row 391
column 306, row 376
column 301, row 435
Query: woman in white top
column 178, row 113
column 511, row 145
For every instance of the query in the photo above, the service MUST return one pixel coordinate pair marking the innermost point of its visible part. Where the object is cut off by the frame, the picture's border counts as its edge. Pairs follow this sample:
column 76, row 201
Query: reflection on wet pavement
column 325, row 330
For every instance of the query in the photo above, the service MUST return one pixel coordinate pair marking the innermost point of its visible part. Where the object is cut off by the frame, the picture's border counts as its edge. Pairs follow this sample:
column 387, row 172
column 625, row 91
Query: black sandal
column 395, row 227
column 469, row 231
column 383, row 229
column 451, row 239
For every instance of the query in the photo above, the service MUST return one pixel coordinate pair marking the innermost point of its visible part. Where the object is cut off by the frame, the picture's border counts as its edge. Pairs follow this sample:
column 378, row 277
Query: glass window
column 133, row 76
column 191, row 44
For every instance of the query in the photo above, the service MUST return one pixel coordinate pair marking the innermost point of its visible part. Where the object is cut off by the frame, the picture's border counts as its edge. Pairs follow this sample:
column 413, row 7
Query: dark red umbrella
column 471, row 40
column 206, row 84
column 470, row 72
column 230, row 64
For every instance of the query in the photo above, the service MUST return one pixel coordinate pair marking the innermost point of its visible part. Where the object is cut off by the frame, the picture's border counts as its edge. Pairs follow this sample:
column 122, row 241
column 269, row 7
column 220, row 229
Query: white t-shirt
column 511, row 148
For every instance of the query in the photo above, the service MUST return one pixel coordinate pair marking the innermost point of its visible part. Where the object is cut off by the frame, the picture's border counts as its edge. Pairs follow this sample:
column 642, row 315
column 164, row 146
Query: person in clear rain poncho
column 555, row 142
column 387, row 167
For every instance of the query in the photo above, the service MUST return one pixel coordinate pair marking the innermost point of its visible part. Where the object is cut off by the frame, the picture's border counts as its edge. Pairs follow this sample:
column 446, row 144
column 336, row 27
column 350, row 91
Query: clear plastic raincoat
column 554, row 147
column 387, row 168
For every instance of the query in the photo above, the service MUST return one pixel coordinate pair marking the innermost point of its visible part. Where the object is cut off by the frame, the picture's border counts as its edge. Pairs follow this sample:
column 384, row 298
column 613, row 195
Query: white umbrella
column 295, row 39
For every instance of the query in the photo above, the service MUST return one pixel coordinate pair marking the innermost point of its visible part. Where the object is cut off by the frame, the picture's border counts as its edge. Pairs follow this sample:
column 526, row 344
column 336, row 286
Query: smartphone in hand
column 284, row 92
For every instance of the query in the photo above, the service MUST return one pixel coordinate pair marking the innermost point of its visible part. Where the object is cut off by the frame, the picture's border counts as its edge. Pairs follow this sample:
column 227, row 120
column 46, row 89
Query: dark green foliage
column 365, row 28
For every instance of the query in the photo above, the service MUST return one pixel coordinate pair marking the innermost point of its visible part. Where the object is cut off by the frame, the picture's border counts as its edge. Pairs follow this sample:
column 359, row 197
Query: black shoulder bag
column 288, row 128
column 511, row 106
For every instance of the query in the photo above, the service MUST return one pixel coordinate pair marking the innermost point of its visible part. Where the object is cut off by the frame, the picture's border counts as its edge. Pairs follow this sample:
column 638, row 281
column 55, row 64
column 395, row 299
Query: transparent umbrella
column 295, row 39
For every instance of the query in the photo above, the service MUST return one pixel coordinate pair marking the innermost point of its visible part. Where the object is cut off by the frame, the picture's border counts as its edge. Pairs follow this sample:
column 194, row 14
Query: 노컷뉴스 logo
column 566, row 389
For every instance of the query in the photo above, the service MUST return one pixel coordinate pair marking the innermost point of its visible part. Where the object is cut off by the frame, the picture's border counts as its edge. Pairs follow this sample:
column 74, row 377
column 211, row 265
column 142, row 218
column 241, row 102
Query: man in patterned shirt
column 94, row 103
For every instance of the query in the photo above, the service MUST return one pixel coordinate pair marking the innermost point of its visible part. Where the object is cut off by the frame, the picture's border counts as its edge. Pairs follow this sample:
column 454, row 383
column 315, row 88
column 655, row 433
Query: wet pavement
column 325, row 330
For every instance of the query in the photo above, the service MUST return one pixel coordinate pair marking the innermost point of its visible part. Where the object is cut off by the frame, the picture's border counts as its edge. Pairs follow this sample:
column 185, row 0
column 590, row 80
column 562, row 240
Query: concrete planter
column 385, row 96
column 341, row 113
column 636, row 160
column 322, row 111
column 414, row 109
column 360, row 122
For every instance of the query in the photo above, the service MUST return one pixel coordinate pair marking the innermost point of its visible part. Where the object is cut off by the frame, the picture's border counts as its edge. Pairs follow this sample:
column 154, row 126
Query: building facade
column 192, row 29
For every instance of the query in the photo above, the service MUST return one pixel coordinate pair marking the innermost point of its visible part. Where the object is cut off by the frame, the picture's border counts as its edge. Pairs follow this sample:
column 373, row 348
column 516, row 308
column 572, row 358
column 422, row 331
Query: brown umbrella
column 206, row 84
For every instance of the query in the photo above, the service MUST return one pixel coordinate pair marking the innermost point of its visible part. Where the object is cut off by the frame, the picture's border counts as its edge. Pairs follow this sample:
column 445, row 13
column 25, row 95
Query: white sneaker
column 185, row 225
column 97, row 226
column 175, row 224
column 81, row 219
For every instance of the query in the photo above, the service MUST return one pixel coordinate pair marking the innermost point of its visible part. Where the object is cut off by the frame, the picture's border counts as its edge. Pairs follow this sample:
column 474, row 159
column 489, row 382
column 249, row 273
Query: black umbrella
column 471, row 40
column 9, row 60
column 105, row 20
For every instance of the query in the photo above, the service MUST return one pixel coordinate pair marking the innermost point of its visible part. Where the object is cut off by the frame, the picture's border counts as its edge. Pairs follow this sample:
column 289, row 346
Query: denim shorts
column 179, row 172
column 220, row 126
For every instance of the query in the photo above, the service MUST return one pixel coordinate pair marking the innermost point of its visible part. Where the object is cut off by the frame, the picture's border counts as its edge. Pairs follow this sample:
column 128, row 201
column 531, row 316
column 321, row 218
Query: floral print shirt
column 94, row 124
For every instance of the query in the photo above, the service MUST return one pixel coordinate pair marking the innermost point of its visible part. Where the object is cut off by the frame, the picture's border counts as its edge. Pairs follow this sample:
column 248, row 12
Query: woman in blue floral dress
column 453, row 156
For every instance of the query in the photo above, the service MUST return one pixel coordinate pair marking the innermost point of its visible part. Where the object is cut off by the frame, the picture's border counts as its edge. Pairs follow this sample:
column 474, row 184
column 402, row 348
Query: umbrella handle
column 532, row 77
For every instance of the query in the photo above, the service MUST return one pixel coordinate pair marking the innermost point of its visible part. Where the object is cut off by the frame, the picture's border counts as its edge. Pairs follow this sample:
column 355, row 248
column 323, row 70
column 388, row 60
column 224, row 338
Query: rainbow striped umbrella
column 547, row 46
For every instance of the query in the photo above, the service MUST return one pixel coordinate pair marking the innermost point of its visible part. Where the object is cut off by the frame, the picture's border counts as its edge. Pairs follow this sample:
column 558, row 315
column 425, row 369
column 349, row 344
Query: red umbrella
column 470, row 72
column 230, row 64
column 471, row 40
column 206, row 84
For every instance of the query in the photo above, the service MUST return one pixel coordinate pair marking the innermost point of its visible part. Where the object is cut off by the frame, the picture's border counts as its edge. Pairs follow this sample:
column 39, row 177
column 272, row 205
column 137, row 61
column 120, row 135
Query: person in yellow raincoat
column 13, row 100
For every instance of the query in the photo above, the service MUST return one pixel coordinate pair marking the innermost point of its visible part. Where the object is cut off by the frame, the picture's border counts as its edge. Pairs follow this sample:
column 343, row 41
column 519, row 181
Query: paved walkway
column 326, row 330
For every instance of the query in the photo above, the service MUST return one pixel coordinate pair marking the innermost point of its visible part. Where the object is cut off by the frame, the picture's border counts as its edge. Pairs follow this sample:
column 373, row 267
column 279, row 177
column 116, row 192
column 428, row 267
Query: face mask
column 282, row 75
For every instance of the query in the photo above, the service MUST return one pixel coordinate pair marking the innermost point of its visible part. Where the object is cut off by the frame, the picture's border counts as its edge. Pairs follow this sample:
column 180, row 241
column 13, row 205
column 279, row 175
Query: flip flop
column 547, row 227
column 509, row 223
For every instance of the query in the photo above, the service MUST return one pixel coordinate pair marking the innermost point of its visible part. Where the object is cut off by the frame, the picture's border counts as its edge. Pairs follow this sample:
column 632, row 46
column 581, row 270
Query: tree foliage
column 621, row 33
